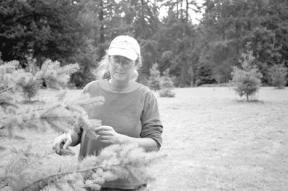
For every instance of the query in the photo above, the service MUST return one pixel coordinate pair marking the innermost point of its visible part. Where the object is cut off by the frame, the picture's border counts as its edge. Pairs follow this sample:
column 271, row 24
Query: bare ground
column 213, row 140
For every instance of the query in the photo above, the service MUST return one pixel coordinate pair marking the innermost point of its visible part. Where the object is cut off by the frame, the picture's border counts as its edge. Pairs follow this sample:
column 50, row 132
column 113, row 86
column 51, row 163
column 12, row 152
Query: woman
column 130, row 111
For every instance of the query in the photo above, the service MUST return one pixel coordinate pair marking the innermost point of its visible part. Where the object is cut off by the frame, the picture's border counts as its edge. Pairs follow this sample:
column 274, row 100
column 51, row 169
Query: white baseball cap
column 126, row 46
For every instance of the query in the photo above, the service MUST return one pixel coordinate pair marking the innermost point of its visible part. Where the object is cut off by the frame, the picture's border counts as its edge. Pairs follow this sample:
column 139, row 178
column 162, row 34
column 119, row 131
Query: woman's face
column 121, row 68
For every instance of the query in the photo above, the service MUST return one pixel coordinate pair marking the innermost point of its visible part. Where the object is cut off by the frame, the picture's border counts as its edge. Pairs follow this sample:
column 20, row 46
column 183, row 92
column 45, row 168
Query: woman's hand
column 61, row 144
column 108, row 135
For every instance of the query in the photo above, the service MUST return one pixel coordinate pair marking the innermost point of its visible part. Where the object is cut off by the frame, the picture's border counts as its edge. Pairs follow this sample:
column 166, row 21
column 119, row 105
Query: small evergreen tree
column 246, row 80
column 6, row 74
column 28, row 84
column 166, row 85
column 26, row 80
column 55, row 76
column 7, row 84
column 278, row 75
column 154, row 79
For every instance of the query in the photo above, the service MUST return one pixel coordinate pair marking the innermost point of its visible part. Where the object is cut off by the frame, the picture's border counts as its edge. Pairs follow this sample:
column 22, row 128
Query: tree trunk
column 187, row 11
column 102, row 31
column 177, row 9
column 142, row 17
column 181, row 10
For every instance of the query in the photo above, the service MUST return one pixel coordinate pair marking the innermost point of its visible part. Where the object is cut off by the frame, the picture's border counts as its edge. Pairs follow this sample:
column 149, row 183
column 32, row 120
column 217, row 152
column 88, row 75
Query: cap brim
column 122, row 52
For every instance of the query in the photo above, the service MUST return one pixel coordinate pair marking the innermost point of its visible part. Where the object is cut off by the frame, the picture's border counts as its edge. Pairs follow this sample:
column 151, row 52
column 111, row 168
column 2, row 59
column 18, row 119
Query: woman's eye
column 117, row 59
column 124, row 62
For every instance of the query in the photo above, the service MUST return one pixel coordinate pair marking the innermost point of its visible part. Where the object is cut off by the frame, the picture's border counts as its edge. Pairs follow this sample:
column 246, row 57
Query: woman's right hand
column 61, row 143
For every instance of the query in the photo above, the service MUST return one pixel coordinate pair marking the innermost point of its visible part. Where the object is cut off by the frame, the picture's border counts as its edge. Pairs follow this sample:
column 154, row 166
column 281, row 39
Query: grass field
column 214, row 141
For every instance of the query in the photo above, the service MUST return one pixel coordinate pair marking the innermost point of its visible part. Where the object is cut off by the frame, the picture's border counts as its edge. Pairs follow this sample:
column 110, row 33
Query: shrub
column 166, row 85
column 166, row 93
column 154, row 79
column 278, row 75
column 246, row 80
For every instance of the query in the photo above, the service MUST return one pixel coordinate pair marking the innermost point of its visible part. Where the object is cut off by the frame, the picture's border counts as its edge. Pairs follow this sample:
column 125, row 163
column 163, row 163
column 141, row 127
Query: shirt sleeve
column 151, row 123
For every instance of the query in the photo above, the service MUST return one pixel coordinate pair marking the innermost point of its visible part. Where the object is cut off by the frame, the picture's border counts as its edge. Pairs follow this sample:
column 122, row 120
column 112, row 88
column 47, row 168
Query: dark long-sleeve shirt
column 133, row 113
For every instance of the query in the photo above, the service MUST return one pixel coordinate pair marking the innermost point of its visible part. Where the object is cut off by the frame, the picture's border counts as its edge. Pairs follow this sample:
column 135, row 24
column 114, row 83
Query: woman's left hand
column 108, row 135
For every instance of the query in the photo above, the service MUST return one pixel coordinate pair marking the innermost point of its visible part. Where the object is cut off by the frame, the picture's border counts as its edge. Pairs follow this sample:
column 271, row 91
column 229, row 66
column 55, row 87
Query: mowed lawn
column 213, row 141
column 216, row 142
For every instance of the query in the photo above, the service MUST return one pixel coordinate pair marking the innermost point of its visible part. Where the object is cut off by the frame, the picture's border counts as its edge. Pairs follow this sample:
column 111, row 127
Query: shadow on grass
column 250, row 101
column 2, row 148
column 32, row 102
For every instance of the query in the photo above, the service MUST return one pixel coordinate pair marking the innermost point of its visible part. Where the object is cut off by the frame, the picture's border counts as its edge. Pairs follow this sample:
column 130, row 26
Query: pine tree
column 166, row 85
column 278, row 74
column 154, row 78
column 246, row 80
column 28, row 83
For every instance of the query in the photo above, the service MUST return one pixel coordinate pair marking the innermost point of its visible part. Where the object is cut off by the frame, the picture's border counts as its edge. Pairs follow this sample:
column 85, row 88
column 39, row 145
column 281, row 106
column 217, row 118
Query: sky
column 195, row 17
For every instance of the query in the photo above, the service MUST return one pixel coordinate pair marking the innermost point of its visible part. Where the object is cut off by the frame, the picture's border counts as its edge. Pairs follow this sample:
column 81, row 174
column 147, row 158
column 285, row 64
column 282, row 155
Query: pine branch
column 4, row 181
column 57, row 116
column 117, row 161
column 41, row 183
column 6, row 90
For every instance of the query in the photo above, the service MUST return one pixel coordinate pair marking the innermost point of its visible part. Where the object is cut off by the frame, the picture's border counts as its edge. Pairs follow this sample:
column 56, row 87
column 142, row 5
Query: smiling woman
column 121, row 67
column 129, row 114
column 122, row 60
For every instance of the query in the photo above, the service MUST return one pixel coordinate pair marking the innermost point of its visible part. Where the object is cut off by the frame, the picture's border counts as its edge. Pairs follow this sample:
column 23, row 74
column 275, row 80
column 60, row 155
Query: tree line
column 80, row 31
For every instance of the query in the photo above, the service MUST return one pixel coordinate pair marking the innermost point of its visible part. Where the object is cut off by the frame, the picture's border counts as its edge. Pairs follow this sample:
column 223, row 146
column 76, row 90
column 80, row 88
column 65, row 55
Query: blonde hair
column 102, row 71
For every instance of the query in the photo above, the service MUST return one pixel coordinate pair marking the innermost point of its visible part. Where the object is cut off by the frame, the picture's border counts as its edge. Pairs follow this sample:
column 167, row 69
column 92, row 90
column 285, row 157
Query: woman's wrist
column 124, row 139
column 147, row 143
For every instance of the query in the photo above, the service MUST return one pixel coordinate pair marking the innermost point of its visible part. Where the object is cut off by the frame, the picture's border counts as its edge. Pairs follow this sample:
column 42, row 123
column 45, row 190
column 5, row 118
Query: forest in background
column 80, row 31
